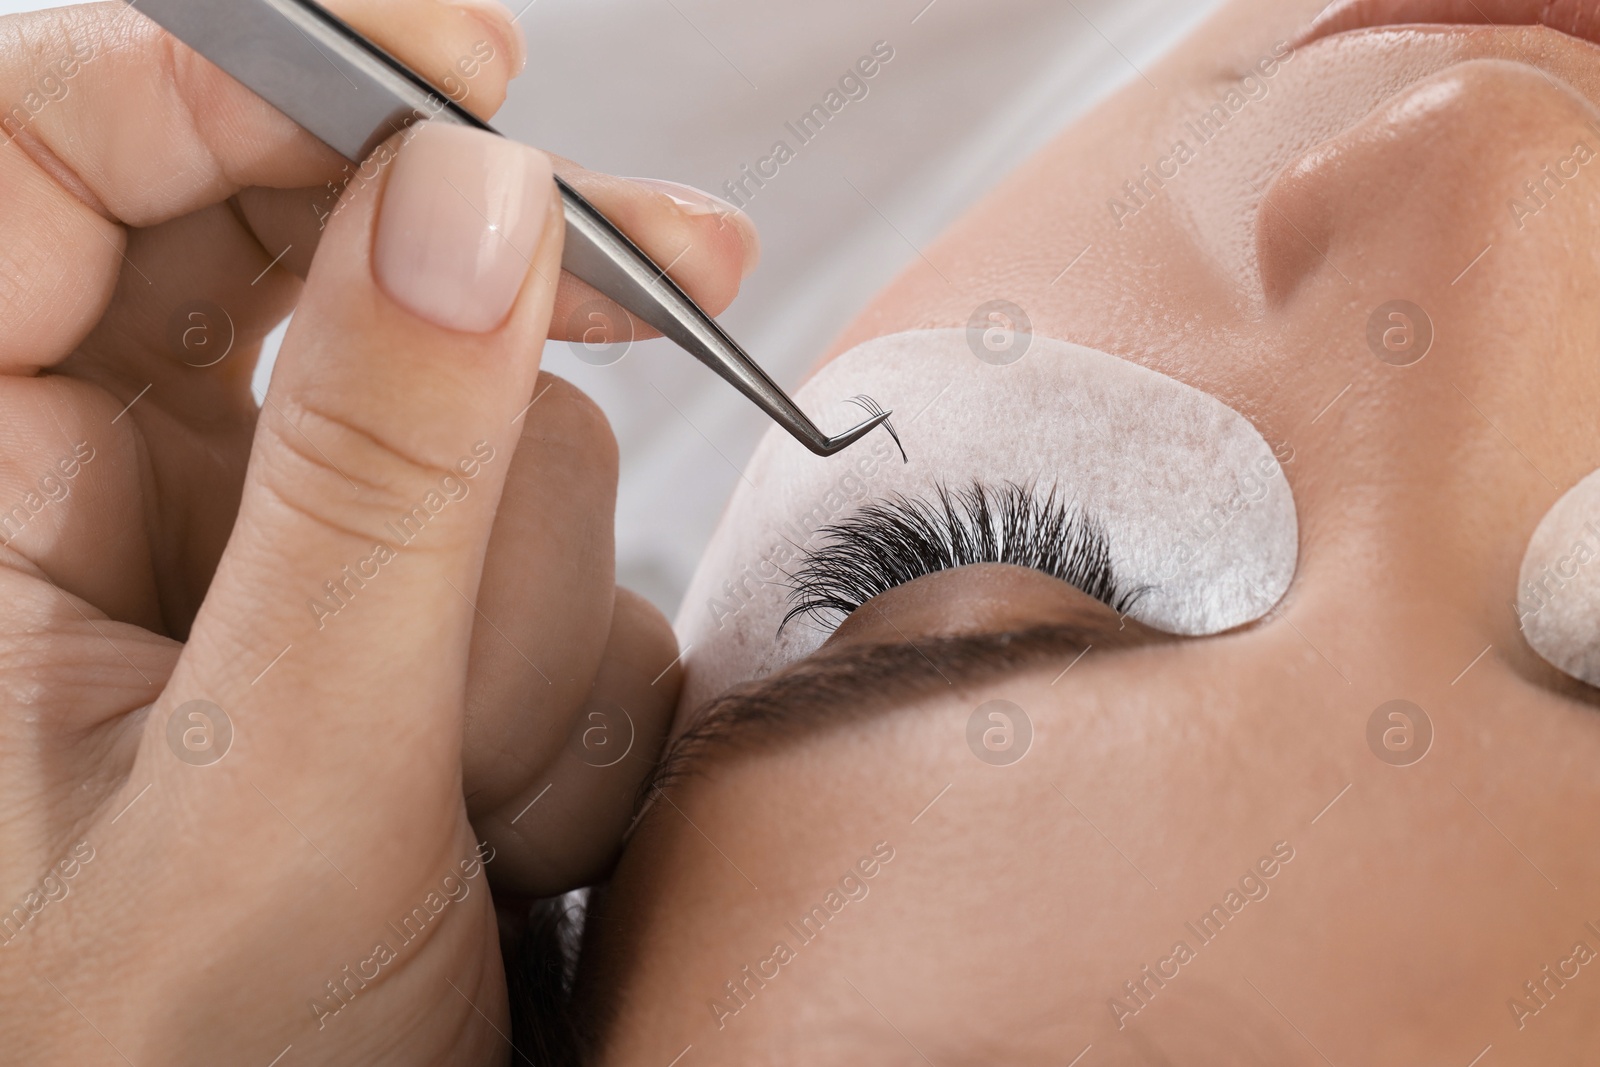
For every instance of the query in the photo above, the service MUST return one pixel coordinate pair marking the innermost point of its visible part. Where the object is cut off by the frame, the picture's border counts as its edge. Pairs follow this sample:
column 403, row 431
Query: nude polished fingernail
column 496, row 18
column 690, row 200
column 696, row 202
column 462, row 217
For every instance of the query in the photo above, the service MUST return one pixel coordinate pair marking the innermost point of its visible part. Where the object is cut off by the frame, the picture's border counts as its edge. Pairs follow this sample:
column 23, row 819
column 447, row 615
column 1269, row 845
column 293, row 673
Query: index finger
column 114, row 122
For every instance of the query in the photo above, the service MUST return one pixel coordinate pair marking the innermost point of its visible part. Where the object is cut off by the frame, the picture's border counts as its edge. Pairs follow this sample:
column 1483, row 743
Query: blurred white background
column 691, row 90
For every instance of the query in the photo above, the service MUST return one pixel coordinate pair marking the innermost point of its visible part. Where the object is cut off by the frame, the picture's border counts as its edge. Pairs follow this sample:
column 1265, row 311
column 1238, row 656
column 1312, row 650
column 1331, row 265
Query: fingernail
column 462, row 217
column 497, row 19
column 692, row 201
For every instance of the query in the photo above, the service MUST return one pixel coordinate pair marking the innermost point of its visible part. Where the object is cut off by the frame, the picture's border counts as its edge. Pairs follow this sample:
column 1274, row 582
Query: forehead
column 1162, row 785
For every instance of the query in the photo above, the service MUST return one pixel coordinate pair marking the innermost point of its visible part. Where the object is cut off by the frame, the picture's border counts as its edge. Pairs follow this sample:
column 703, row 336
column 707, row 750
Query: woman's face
column 1218, row 849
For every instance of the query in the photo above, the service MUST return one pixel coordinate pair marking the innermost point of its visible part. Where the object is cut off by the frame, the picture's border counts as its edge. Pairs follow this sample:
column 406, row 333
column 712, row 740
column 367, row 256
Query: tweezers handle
column 271, row 45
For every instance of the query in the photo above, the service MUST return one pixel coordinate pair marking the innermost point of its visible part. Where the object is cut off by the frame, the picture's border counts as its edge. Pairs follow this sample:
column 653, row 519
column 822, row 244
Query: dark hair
column 540, row 962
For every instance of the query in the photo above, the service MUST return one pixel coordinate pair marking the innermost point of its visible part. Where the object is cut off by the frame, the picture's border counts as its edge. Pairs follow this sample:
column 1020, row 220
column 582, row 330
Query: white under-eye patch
column 1558, row 596
column 1193, row 503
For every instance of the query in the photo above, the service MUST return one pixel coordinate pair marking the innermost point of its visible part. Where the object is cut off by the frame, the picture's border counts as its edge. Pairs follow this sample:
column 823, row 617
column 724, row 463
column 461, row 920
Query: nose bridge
column 1483, row 152
column 1436, row 262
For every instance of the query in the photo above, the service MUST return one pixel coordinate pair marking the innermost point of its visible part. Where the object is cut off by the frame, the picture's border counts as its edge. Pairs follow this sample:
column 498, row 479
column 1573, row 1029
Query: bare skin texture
column 1407, row 906
column 174, row 896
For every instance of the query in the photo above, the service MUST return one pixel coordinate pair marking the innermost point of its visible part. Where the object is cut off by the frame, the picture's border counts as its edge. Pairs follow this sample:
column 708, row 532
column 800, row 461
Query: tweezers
column 352, row 95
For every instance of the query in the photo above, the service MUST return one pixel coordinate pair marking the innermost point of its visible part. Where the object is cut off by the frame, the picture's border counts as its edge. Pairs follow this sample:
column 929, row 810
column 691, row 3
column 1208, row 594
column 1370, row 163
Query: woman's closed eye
column 891, row 542
column 1145, row 493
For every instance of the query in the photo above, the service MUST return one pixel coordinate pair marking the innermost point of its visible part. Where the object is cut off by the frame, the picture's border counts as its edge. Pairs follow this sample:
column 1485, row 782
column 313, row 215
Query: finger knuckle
column 337, row 469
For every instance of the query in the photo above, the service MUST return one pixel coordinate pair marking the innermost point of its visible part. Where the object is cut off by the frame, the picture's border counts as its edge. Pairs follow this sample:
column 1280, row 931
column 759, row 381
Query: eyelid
column 988, row 598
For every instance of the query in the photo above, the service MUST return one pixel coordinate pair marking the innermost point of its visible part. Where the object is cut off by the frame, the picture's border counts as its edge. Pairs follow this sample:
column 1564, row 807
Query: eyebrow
column 833, row 688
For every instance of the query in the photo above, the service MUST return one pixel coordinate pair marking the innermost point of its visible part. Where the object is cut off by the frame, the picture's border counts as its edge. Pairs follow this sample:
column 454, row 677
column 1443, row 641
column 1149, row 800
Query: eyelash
column 891, row 542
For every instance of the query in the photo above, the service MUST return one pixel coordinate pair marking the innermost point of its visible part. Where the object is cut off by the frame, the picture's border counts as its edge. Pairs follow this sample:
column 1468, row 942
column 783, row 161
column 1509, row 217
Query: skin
column 191, row 912
column 1420, row 898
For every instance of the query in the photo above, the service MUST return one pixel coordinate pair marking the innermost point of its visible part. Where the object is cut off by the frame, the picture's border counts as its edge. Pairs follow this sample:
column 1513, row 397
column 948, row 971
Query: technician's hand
column 250, row 668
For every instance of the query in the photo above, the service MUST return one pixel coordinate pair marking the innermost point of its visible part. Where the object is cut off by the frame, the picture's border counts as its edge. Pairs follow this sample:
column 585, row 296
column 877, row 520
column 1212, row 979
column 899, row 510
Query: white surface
column 1559, row 596
column 692, row 89
column 1192, row 502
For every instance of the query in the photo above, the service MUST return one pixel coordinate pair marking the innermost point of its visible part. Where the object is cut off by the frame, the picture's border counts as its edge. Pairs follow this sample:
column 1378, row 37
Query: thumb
column 337, row 629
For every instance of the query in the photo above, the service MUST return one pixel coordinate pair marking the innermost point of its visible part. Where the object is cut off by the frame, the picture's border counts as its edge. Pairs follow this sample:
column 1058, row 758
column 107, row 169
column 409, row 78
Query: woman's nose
column 1420, row 257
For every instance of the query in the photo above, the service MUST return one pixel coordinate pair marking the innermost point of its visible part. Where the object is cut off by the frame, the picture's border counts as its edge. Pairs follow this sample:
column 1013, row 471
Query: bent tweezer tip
column 603, row 256
column 352, row 95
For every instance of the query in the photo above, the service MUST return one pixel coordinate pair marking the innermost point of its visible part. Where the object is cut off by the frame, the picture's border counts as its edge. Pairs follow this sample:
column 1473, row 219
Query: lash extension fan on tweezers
column 352, row 95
